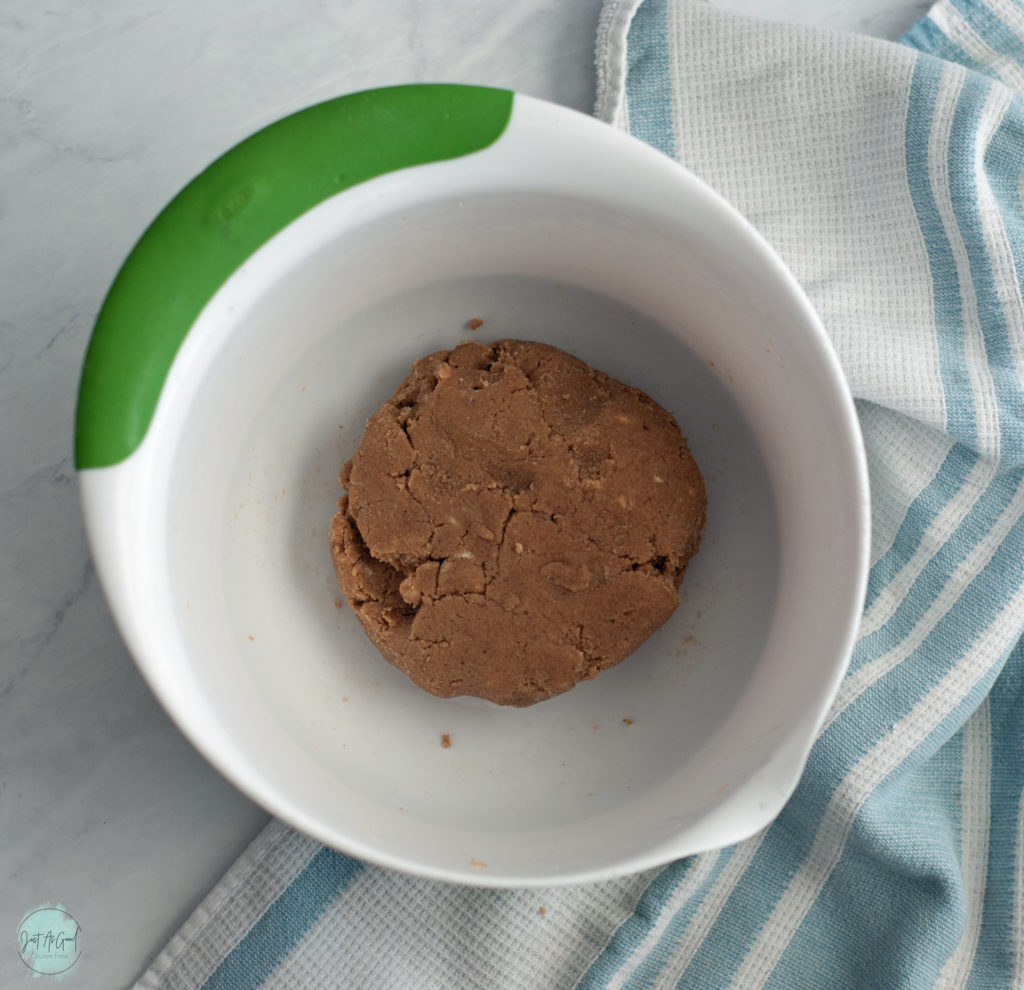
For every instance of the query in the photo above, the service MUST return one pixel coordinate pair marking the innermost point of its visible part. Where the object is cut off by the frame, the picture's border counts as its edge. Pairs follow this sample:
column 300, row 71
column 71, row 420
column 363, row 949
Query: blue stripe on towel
column 631, row 936
column 1004, row 165
column 995, row 944
column 869, row 894
column 965, row 182
column 941, row 490
column 649, row 89
column 927, row 36
column 992, row 29
column 285, row 923
column 924, row 92
column 935, row 574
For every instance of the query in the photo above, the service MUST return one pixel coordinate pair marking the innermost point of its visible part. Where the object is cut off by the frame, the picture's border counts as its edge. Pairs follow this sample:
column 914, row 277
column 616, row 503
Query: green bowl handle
column 236, row 205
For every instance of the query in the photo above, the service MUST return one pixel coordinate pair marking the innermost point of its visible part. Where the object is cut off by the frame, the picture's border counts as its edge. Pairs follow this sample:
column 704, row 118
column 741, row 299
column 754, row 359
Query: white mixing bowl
column 272, row 307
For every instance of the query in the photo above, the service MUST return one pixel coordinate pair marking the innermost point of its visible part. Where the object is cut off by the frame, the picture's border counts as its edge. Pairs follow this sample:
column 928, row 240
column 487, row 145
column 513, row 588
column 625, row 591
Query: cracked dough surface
column 515, row 522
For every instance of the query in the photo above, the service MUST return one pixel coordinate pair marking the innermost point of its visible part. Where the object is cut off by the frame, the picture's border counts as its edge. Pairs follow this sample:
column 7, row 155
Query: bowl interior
column 364, row 723
column 693, row 741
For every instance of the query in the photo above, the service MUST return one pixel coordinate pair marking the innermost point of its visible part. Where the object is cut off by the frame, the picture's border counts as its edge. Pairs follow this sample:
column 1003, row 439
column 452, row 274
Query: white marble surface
column 106, row 108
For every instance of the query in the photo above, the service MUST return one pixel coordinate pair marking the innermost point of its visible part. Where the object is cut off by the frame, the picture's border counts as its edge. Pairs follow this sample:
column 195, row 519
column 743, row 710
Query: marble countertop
column 107, row 107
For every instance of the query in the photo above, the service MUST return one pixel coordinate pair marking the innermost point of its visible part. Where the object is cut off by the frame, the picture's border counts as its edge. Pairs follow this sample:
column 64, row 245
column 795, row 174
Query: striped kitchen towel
column 890, row 178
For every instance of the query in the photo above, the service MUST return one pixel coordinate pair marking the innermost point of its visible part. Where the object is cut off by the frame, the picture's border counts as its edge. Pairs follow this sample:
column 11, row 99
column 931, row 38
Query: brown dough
column 516, row 522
